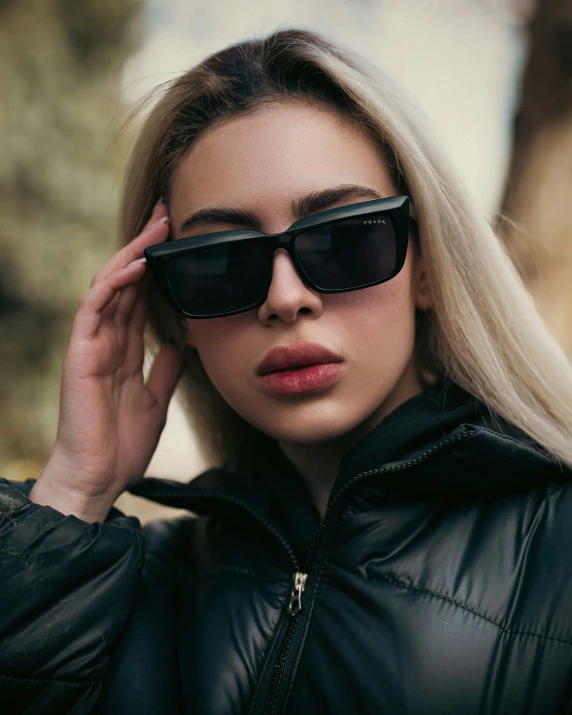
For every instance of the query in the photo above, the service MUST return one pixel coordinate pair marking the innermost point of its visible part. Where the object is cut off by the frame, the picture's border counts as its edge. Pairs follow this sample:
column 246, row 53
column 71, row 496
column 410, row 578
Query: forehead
column 275, row 154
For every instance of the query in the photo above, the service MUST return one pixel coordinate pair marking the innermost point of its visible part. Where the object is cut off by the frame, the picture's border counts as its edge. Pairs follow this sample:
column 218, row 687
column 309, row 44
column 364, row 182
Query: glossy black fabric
column 288, row 500
column 438, row 583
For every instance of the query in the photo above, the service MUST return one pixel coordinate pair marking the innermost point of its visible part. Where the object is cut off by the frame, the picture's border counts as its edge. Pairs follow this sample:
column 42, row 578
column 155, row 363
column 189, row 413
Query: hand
column 110, row 420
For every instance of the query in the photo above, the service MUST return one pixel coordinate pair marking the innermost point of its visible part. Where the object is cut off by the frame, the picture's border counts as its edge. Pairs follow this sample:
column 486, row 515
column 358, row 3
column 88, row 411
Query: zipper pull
column 295, row 604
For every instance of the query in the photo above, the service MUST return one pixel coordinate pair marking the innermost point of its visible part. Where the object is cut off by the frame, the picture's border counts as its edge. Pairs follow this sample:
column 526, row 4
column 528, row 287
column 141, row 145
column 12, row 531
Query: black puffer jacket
column 438, row 583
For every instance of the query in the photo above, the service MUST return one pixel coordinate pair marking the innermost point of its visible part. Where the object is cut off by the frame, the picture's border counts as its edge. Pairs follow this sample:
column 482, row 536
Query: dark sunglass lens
column 349, row 253
column 222, row 278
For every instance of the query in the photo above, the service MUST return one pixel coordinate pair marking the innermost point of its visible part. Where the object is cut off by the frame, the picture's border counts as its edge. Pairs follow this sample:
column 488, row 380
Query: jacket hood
column 465, row 447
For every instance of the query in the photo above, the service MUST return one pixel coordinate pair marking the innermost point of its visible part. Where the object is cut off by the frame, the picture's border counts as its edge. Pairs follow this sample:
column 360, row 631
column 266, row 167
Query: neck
column 318, row 463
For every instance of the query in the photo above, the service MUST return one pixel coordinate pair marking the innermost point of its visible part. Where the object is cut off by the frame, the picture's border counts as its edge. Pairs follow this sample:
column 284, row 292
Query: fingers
column 125, row 303
column 93, row 304
column 139, row 313
column 103, row 303
column 135, row 354
column 155, row 231
column 165, row 374
column 109, row 311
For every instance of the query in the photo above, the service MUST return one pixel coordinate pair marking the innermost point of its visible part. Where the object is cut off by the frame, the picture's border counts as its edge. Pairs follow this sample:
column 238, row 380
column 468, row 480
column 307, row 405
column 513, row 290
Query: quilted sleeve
column 67, row 589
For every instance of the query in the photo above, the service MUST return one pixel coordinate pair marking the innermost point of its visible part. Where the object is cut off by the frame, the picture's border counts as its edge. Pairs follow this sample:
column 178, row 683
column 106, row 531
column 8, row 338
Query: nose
column 288, row 296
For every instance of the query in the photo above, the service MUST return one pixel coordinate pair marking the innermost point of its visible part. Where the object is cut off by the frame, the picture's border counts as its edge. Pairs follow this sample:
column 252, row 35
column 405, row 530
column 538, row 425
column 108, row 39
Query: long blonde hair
column 483, row 331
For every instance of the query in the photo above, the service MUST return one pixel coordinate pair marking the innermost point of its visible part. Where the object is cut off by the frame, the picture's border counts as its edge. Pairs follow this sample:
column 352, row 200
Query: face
column 262, row 162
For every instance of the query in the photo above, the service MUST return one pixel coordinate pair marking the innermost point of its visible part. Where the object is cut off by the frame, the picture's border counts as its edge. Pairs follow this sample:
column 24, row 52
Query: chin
column 320, row 418
column 321, row 430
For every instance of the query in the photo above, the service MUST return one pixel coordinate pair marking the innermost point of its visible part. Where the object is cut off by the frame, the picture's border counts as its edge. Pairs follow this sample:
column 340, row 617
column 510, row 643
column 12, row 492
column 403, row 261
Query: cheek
column 373, row 328
column 223, row 347
column 383, row 314
column 377, row 330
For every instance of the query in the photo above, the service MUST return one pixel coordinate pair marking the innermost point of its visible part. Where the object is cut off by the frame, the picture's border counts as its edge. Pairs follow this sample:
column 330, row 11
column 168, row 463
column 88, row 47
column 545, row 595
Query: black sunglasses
column 334, row 251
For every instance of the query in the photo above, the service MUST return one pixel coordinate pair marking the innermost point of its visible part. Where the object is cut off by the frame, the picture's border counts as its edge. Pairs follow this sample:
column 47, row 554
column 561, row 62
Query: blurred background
column 494, row 77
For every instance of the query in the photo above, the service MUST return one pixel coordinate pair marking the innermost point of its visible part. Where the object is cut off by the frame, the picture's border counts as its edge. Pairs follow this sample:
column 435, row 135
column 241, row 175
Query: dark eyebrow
column 312, row 203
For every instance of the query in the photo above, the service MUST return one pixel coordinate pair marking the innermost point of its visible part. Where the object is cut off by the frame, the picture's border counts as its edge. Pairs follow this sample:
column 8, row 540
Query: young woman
column 386, row 527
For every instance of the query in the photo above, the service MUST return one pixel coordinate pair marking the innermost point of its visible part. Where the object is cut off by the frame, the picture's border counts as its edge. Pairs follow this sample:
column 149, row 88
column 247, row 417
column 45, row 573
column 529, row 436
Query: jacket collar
column 463, row 446
column 489, row 452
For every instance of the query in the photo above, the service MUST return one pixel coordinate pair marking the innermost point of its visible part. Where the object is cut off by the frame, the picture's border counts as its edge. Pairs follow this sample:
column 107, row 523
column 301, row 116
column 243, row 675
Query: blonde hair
column 484, row 331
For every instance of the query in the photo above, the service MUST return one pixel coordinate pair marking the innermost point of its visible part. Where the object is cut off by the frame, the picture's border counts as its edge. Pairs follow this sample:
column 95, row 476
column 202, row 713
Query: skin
column 261, row 162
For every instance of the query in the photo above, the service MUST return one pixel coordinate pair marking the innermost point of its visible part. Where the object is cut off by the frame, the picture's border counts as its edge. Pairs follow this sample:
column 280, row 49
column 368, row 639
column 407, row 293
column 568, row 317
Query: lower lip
column 305, row 379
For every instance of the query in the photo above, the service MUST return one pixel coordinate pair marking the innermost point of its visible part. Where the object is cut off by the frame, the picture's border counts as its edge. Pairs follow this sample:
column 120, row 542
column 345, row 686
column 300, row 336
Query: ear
column 423, row 299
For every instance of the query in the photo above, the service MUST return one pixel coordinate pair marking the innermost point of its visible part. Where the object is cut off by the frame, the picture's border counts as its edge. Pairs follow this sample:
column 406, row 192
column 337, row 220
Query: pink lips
column 302, row 367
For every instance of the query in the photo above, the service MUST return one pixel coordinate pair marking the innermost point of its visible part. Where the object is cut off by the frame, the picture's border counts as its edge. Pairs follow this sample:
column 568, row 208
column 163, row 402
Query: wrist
column 48, row 492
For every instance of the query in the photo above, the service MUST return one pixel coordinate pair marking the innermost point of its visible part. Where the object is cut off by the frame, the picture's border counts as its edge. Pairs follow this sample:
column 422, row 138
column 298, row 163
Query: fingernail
column 139, row 260
column 163, row 219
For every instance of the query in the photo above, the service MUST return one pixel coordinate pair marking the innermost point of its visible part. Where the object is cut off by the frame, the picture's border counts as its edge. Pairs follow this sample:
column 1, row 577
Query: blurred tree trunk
column 538, row 195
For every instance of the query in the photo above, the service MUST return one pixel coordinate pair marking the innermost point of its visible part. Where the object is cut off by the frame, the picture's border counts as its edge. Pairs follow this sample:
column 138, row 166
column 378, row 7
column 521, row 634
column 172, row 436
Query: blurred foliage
column 62, row 155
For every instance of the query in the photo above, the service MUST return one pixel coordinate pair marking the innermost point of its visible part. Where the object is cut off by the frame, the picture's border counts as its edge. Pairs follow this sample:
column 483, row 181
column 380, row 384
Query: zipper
column 295, row 604
column 294, row 608
column 299, row 578
column 274, row 688
column 178, row 496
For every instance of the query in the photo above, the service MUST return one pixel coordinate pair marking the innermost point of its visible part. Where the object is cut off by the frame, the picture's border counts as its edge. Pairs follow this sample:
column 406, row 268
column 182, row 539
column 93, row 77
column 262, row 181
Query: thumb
column 165, row 374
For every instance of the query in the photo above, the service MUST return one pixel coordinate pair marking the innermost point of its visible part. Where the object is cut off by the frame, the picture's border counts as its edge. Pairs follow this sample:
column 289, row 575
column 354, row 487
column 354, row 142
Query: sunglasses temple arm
column 412, row 212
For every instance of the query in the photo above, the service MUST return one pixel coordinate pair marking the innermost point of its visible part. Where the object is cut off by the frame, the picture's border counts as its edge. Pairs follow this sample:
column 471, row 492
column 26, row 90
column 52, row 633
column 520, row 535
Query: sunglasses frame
column 397, row 208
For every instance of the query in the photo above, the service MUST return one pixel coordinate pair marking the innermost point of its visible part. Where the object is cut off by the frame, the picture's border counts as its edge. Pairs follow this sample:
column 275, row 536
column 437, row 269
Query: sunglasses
column 334, row 251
